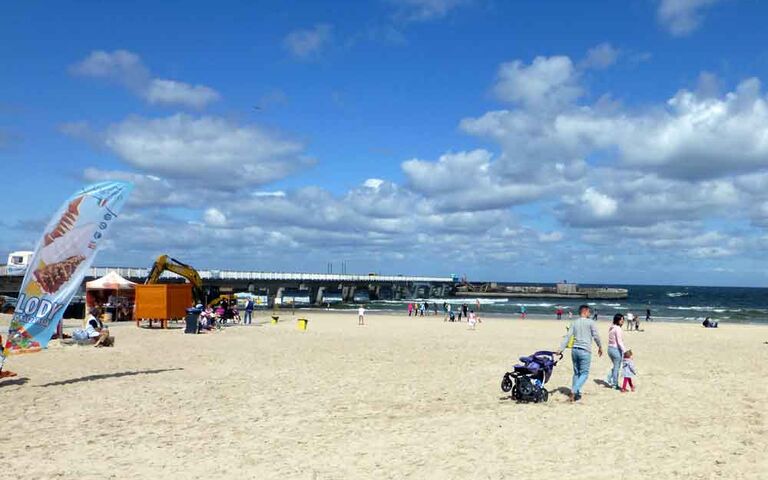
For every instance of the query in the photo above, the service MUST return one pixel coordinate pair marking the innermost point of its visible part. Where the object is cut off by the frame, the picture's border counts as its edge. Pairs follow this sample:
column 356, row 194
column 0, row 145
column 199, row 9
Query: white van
column 19, row 261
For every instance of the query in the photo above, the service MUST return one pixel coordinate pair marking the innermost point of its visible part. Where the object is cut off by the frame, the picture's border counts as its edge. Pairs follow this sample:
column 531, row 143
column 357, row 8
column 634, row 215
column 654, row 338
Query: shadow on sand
column 103, row 376
column 561, row 390
column 14, row 381
column 603, row 383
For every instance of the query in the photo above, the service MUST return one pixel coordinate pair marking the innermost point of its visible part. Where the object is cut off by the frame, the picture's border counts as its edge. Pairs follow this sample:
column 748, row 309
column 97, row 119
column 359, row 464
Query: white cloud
column 423, row 10
column 467, row 181
column 210, row 149
column 121, row 66
column 682, row 17
column 546, row 82
column 309, row 42
column 127, row 69
column 374, row 183
column 601, row 56
column 214, row 217
column 170, row 92
column 691, row 137
column 599, row 204
column 550, row 237
column 278, row 193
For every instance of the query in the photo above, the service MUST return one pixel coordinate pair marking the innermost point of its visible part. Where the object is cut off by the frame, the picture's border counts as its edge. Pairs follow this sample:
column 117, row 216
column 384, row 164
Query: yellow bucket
column 274, row 319
column 303, row 323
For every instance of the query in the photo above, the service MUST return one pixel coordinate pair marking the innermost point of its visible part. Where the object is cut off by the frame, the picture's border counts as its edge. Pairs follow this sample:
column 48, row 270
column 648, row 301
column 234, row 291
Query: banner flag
column 60, row 262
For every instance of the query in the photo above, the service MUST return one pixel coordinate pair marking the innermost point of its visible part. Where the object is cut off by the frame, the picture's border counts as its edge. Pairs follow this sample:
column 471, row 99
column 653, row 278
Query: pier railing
column 138, row 273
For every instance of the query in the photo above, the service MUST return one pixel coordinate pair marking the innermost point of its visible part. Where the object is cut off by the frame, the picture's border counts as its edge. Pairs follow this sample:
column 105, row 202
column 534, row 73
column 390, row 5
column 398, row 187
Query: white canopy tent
column 110, row 281
column 110, row 291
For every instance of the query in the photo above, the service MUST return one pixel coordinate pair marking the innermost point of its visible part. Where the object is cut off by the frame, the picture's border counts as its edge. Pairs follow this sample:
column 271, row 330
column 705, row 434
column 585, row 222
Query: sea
column 667, row 303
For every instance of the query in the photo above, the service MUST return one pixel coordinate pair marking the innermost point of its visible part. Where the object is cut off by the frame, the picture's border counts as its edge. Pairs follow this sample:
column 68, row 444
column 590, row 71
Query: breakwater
column 560, row 290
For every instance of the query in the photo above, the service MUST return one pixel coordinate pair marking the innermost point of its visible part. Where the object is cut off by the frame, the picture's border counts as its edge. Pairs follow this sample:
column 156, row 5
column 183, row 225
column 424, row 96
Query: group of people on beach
column 449, row 313
column 581, row 333
column 632, row 321
column 224, row 313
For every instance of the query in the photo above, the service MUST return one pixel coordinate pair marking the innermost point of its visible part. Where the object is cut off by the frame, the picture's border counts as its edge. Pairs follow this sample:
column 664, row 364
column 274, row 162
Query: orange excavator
column 164, row 262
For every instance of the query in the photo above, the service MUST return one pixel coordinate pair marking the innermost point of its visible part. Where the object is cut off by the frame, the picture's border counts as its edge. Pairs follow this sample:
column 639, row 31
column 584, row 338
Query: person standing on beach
column 583, row 331
column 473, row 319
column 630, row 320
column 522, row 312
column 248, row 312
column 648, row 314
column 616, row 349
column 361, row 315
column 465, row 310
column 410, row 308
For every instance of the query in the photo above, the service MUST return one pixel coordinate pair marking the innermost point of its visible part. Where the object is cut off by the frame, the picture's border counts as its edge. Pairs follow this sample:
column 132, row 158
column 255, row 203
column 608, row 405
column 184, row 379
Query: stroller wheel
column 544, row 396
column 506, row 383
column 515, row 393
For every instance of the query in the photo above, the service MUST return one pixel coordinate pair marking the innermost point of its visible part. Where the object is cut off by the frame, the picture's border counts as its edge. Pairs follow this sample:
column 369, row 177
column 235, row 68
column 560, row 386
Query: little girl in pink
column 629, row 371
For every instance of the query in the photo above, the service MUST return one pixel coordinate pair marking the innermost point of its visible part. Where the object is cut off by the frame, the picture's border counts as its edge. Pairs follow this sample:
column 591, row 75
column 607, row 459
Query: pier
column 346, row 286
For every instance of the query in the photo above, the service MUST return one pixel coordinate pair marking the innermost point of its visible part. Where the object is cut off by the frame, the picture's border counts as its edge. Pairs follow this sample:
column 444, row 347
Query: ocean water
column 667, row 303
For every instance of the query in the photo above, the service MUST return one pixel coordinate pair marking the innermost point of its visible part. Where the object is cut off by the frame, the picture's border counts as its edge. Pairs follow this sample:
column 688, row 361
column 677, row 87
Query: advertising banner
column 61, row 260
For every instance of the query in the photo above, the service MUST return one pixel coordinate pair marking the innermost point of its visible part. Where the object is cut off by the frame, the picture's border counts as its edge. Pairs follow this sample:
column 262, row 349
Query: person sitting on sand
column 709, row 323
column 207, row 319
column 96, row 329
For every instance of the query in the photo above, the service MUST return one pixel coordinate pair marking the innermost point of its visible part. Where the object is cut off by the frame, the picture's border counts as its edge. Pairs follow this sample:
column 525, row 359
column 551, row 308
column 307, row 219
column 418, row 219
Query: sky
column 593, row 141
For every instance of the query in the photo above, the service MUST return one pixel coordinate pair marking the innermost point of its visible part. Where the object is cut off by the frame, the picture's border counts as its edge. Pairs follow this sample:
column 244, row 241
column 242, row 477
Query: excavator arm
column 164, row 262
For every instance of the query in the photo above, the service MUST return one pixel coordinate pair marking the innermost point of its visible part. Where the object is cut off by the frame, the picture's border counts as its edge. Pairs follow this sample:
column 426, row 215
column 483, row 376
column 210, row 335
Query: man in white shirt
column 630, row 320
column 361, row 315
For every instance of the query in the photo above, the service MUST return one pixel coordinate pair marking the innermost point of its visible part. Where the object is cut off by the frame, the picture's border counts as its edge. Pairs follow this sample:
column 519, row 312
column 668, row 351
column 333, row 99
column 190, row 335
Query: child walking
column 473, row 319
column 628, row 369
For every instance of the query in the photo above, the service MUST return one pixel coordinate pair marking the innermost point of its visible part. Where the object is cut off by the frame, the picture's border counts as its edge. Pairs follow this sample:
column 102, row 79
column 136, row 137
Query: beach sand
column 398, row 398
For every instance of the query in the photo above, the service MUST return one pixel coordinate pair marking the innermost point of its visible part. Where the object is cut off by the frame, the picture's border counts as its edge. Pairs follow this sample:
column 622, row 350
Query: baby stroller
column 527, row 380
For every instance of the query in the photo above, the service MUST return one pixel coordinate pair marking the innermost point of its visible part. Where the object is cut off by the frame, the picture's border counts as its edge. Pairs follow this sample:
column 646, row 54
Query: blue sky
column 524, row 141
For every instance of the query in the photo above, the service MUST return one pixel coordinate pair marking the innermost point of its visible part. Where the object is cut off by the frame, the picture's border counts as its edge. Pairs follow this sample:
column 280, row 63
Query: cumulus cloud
column 691, row 137
column 424, row 10
column 601, row 56
column 598, row 204
column 121, row 66
column 128, row 70
column 211, row 149
column 307, row 43
column 605, row 177
column 682, row 17
column 621, row 197
column 468, row 181
column 170, row 92
column 214, row 217
column 546, row 82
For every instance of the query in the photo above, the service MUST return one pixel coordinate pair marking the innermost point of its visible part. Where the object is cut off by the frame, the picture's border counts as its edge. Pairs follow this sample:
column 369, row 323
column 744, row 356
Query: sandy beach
column 398, row 398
